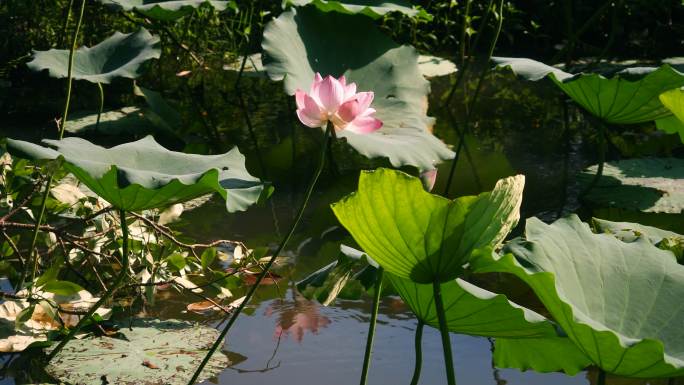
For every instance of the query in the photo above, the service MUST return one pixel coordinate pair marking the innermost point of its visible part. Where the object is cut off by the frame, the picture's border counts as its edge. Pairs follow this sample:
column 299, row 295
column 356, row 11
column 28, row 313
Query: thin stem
column 601, row 377
column 108, row 294
column 268, row 265
column 464, row 28
column 371, row 327
column 41, row 212
column 70, row 69
column 444, row 331
column 419, row 353
column 65, row 26
column 99, row 112
column 602, row 158
column 460, row 75
column 480, row 81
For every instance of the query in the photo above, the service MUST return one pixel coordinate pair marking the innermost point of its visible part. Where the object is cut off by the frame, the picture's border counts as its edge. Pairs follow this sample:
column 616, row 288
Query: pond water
column 287, row 339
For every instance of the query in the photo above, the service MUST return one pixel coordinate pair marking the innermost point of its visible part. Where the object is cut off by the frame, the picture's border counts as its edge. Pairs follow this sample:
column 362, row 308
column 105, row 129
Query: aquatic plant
column 425, row 238
column 163, row 10
column 595, row 287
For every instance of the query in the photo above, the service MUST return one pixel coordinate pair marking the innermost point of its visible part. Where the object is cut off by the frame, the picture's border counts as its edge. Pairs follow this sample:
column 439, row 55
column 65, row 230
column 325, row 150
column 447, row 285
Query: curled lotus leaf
column 472, row 310
column 616, row 301
column 628, row 96
column 371, row 8
column 630, row 232
column 163, row 10
column 149, row 352
column 143, row 175
column 651, row 185
column 297, row 45
column 674, row 101
column 424, row 237
column 119, row 56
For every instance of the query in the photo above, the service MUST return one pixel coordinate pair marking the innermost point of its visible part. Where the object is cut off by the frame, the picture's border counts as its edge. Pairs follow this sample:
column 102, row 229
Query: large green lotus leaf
column 143, row 175
column 674, row 101
column 296, row 46
column 619, row 302
column 472, row 310
column 149, row 352
column 164, row 10
column 627, row 97
column 654, row 185
column 119, row 56
column 371, row 8
column 420, row 236
column 544, row 355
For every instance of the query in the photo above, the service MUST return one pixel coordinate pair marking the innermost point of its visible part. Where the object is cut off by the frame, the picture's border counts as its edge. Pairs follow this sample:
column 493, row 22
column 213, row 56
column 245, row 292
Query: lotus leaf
column 653, row 185
column 627, row 97
column 420, row 236
column 119, row 56
column 433, row 66
column 143, row 175
column 674, row 101
column 335, row 279
column 618, row 302
column 296, row 46
column 630, row 232
column 472, row 310
column 150, row 352
column 371, row 8
column 163, row 10
column 548, row 354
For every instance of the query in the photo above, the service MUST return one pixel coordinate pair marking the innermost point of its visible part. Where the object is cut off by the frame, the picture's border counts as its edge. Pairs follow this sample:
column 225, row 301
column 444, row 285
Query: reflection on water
column 295, row 317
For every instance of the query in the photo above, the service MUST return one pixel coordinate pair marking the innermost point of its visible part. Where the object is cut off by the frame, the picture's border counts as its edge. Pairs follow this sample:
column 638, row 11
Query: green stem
column 444, row 331
column 264, row 271
column 464, row 68
column 70, row 70
column 41, row 213
column 108, row 294
column 419, row 352
column 371, row 327
column 99, row 112
column 601, row 377
column 65, row 26
column 464, row 27
column 478, row 88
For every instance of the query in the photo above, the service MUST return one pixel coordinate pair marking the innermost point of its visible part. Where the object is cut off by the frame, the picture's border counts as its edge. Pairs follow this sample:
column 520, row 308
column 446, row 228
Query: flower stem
column 108, row 294
column 99, row 112
column 444, row 331
column 264, row 271
column 371, row 327
column 419, row 353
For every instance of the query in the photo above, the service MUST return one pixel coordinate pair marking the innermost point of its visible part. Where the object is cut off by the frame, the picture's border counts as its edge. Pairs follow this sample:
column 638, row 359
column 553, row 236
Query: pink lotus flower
column 336, row 101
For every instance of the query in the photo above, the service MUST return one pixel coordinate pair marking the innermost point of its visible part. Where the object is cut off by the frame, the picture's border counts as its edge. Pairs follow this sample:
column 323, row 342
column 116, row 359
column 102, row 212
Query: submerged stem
column 444, row 331
column 108, row 294
column 99, row 112
column 371, row 327
column 419, row 353
column 267, row 267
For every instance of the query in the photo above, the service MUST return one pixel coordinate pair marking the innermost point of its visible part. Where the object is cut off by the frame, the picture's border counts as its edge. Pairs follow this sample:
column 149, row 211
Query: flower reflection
column 296, row 316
